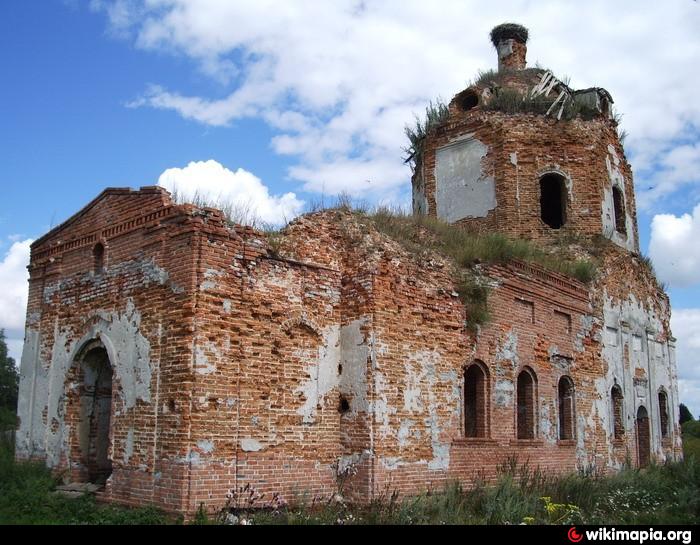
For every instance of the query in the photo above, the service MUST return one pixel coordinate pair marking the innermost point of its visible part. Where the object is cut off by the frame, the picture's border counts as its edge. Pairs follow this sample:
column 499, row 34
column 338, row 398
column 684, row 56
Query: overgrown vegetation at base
column 668, row 494
column 26, row 498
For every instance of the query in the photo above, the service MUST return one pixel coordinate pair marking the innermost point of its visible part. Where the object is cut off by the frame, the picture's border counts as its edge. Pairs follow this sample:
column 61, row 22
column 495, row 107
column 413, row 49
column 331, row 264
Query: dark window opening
column 553, row 199
column 618, row 422
column 663, row 413
column 98, row 254
column 526, row 405
column 619, row 205
column 643, row 438
column 566, row 408
column 468, row 100
column 475, row 401
column 344, row 405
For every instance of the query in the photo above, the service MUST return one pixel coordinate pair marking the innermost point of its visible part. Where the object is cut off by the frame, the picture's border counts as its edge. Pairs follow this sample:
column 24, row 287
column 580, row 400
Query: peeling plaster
column 354, row 353
column 251, row 445
column 202, row 365
column 463, row 190
column 508, row 349
column 323, row 373
column 206, row 446
column 612, row 163
column 129, row 446
column 43, row 388
column 503, row 393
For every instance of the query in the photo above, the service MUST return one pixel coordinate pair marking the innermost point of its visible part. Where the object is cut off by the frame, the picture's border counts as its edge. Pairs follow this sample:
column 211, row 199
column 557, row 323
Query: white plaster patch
column 508, row 349
column 463, row 190
column 206, row 446
column 251, row 445
column 323, row 372
column 129, row 445
column 202, row 365
column 612, row 163
column 405, row 432
column 354, row 353
column 44, row 386
column 503, row 393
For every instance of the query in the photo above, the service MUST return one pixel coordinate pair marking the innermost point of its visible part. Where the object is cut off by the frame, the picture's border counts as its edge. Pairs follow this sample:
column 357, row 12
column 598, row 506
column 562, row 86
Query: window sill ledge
column 527, row 442
column 473, row 441
column 566, row 442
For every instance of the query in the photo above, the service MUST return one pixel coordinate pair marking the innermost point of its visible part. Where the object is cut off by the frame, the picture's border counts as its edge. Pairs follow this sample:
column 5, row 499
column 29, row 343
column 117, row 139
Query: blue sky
column 282, row 102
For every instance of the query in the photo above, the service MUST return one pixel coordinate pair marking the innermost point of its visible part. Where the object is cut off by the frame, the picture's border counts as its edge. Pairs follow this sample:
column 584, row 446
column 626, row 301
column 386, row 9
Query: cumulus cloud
column 674, row 247
column 685, row 324
column 241, row 193
column 339, row 80
column 13, row 279
column 674, row 167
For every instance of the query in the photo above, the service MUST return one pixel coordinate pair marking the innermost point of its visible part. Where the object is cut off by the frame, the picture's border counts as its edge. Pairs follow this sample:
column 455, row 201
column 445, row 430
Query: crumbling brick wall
column 139, row 308
column 328, row 357
column 509, row 154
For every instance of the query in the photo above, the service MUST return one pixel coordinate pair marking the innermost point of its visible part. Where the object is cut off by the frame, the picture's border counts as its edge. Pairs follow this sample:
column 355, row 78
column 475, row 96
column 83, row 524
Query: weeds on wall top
column 469, row 250
column 436, row 113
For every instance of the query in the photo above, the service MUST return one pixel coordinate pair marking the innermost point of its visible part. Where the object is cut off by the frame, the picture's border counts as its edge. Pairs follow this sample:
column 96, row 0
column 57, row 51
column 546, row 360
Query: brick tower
column 522, row 153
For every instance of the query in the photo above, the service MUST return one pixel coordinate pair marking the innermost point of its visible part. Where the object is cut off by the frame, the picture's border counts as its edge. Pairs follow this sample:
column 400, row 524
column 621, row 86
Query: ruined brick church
column 171, row 356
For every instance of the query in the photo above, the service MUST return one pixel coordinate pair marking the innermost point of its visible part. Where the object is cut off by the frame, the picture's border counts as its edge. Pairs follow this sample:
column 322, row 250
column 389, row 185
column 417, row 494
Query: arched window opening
column 553, row 197
column 476, row 401
column 643, row 437
column 663, row 414
column 619, row 205
column 467, row 100
column 617, row 406
column 526, row 404
column 566, row 408
column 98, row 255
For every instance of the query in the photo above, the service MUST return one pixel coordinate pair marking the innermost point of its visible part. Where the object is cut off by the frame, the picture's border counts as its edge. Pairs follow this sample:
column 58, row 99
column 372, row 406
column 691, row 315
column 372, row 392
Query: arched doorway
column 643, row 437
column 95, row 412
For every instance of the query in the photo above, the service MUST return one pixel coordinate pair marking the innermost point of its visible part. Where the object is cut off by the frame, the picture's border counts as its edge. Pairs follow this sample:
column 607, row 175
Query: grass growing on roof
column 422, row 234
column 468, row 248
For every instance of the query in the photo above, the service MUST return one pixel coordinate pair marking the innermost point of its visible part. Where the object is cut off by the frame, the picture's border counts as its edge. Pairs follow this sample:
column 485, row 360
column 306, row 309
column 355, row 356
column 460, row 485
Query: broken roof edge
column 144, row 190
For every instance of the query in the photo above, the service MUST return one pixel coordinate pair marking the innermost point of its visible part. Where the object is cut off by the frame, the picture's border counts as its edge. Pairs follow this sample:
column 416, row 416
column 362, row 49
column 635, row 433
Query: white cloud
column 675, row 248
column 244, row 193
column 673, row 167
column 685, row 324
column 14, row 281
column 340, row 79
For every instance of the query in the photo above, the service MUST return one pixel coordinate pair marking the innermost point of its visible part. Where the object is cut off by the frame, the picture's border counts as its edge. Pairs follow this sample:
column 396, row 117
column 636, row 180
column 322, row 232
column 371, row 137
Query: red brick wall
column 146, row 289
column 253, row 348
column 521, row 149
